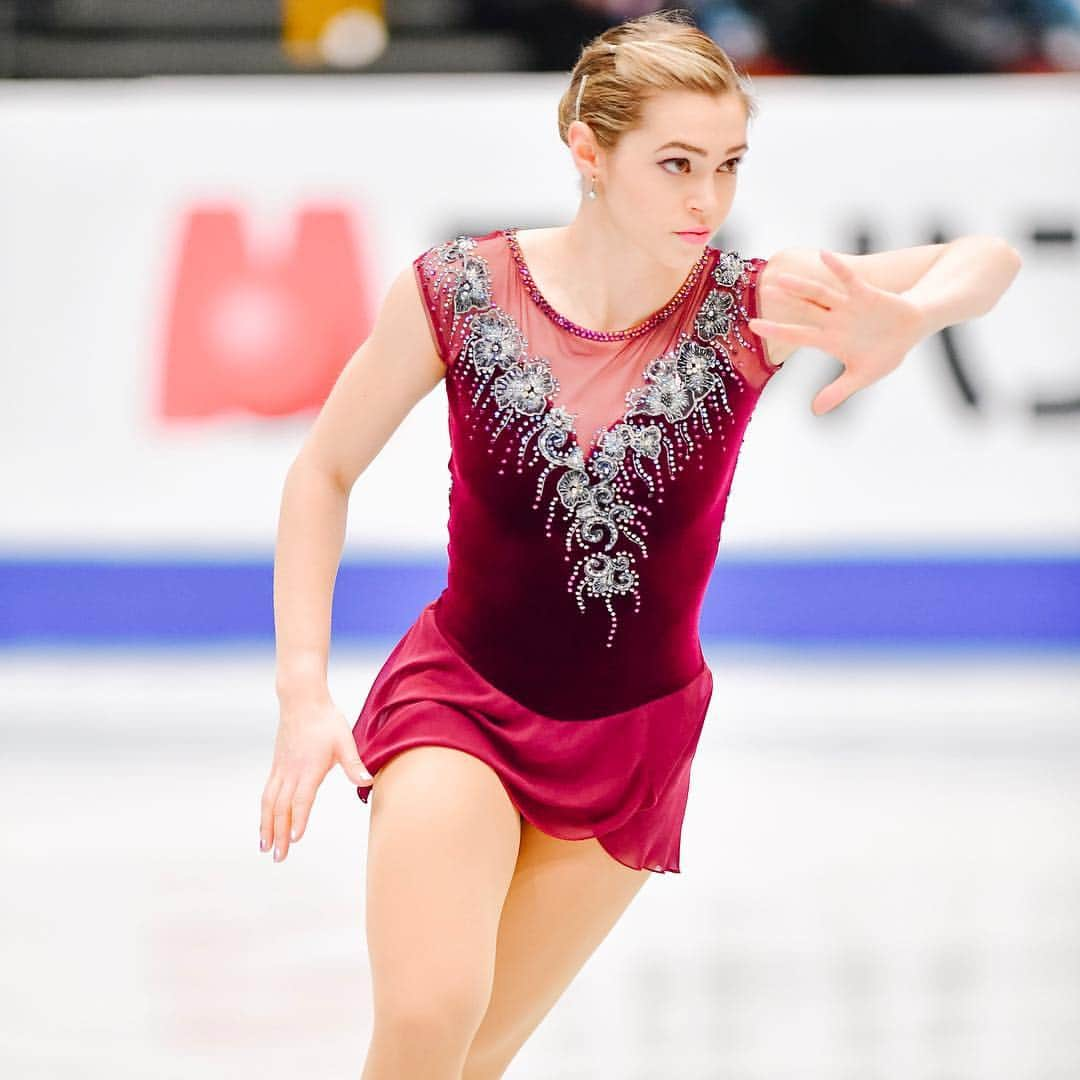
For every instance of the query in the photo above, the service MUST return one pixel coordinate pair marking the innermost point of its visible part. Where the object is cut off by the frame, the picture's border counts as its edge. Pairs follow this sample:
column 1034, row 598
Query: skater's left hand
column 869, row 330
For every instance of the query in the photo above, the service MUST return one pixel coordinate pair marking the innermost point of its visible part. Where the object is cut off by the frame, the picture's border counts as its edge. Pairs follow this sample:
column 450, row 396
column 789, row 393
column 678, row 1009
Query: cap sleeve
column 747, row 350
column 453, row 283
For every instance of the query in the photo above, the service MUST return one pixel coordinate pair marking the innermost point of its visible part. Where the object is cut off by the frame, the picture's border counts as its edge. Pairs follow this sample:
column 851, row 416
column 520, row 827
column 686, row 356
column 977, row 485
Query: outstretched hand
column 869, row 330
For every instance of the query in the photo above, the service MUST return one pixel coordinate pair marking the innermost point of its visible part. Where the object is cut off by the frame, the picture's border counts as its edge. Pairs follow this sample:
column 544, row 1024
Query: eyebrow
column 697, row 149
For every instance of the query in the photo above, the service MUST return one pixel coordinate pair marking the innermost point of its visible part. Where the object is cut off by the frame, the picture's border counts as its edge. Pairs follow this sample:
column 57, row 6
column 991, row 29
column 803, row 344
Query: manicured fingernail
column 296, row 834
column 262, row 843
column 277, row 854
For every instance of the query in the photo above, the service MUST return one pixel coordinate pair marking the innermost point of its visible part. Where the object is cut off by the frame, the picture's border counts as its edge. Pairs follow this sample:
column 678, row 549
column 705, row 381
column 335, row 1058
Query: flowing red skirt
column 623, row 778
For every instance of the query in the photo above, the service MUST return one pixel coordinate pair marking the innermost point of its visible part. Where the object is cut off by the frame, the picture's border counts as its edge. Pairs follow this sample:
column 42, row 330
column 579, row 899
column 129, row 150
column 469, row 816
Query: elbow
column 1011, row 255
column 1008, row 262
column 1013, row 261
column 306, row 466
column 1004, row 251
column 1000, row 248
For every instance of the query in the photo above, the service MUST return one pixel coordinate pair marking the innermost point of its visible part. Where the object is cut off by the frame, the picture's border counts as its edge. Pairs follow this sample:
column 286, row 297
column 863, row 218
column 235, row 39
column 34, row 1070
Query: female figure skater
column 530, row 737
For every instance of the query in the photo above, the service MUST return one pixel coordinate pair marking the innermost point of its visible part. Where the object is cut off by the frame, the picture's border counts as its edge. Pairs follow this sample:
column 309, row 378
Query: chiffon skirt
column 623, row 778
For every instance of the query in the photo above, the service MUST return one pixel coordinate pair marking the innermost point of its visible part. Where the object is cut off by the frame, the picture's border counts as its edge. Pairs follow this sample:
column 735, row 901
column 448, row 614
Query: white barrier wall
column 185, row 264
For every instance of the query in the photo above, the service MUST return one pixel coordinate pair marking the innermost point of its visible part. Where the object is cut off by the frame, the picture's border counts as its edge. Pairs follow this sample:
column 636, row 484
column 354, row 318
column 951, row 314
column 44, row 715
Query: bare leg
column 442, row 847
column 564, row 898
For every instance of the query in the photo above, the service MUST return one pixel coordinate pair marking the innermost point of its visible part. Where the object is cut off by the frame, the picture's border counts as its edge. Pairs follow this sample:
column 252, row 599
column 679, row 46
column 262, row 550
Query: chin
column 678, row 254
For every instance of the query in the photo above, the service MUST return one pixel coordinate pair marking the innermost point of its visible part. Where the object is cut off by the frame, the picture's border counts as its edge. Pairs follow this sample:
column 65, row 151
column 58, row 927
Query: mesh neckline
column 643, row 327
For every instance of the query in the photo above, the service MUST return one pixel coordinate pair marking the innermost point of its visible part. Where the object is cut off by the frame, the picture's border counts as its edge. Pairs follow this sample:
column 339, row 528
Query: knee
column 438, row 1016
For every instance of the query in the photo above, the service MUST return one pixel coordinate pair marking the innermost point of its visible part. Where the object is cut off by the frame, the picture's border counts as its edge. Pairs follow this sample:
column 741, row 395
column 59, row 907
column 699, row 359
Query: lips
column 693, row 232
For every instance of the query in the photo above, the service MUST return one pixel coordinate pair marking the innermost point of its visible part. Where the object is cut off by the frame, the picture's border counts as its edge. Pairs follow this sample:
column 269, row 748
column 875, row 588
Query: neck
column 615, row 283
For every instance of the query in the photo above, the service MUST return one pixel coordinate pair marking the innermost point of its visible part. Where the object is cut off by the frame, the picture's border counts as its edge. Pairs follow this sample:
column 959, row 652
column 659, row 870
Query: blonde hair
column 621, row 68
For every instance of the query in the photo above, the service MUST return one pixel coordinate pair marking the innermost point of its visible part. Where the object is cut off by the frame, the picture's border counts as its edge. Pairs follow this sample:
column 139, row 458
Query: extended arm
column 869, row 311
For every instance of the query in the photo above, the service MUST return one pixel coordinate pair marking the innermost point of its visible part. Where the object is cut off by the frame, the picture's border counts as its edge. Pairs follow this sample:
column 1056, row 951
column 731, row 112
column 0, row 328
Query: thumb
column 354, row 768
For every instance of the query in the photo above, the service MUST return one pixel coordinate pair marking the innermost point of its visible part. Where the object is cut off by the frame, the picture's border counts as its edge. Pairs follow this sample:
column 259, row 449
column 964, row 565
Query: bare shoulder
column 535, row 245
column 395, row 366
column 538, row 236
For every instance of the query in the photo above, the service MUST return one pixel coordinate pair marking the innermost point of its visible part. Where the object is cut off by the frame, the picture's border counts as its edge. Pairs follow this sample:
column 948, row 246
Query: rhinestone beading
column 599, row 495
column 653, row 320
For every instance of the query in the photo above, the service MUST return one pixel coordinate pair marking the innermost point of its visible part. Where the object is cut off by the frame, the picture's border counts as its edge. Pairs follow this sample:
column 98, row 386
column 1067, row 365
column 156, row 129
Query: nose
column 703, row 200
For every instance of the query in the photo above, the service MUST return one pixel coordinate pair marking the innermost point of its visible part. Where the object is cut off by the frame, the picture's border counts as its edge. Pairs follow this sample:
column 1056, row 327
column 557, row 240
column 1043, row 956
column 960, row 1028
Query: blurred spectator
column 554, row 31
column 823, row 37
column 903, row 37
column 91, row 38
column 736, row 29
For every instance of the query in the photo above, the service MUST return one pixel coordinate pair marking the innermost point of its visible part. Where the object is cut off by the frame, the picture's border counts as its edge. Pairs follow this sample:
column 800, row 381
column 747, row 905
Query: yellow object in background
column 341, row 33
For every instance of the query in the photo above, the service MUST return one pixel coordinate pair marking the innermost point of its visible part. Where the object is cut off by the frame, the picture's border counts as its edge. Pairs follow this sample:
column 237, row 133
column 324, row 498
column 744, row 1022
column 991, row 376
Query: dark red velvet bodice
column 589, row 478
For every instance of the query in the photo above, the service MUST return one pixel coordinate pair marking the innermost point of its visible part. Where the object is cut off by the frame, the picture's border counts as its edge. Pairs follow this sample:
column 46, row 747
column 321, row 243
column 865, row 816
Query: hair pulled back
column 621, row 68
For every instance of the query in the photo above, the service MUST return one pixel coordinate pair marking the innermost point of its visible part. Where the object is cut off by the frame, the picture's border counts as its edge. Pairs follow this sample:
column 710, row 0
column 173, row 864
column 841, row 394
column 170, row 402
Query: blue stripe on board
column 950, row 601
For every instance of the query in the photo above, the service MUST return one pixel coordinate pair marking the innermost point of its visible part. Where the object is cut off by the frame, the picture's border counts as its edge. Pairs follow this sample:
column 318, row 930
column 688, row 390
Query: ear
column 583, row 147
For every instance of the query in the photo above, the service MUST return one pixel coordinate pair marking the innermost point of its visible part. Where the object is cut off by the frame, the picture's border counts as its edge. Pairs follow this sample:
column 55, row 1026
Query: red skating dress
column 590, row 473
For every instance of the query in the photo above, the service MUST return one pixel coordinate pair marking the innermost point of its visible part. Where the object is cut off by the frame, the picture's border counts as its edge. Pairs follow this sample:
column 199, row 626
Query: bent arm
column 949, row 282
column 391, row 371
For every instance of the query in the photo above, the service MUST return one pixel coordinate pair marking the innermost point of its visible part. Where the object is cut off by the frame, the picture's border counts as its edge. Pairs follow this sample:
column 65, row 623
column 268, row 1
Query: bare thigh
column 443, row 843
column 565, row 897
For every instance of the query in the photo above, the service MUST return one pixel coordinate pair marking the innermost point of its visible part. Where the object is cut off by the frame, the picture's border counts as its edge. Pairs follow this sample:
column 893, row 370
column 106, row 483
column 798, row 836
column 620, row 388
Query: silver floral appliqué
column 595, row 494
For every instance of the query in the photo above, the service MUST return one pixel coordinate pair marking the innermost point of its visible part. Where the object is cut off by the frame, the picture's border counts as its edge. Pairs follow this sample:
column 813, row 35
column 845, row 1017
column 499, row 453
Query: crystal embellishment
column 602, row 498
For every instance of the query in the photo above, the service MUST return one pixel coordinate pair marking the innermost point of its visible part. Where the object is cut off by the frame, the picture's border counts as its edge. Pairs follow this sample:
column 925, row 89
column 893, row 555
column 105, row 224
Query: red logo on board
column 264, row 333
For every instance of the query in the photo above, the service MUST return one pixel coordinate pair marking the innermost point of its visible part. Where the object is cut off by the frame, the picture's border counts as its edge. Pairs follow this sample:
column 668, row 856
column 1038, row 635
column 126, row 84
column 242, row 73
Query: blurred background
column 201, row 206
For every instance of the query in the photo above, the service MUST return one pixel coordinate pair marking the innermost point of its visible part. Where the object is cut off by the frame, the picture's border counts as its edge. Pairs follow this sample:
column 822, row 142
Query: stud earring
column 592, row 188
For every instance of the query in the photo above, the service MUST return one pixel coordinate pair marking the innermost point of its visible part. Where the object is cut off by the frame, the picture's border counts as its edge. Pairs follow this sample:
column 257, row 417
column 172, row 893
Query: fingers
column 285, row 812
column 847, row 274
column 282, row 821
column 796, row 333
column 802, row 308
column 836, row 393
column 303, row 755
column 266, row 812
column 302, row 801
column 807, row 289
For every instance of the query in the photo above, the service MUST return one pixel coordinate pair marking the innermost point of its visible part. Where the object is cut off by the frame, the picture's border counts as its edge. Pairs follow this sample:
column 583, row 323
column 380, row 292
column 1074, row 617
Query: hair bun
column 660, row 51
